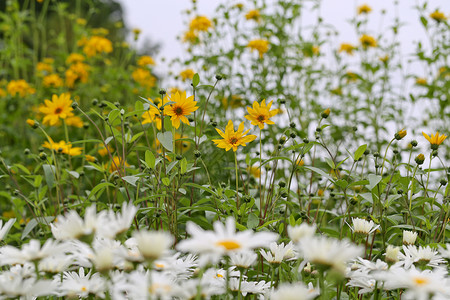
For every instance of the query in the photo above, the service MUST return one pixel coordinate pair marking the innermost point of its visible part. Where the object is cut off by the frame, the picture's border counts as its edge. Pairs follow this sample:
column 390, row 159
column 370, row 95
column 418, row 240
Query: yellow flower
column 117, row 162
column 183, row 107
column 300, row 162
column 420, row 159
column 187, row 74
column 103, row 151
column 438, row 16
column 400, row 134
column 74, row 121
column 81, row 21
column 200, row 23
column 144, row 78
column 2, row 93
column 153, row 114
column 74, row 58
column 190, row 36
column 100, row 31
column 435, row 140
column 232, row 139
column 31, row 123
column 77, row 71
column 348, row 48
column 59, row 107
column 384, row 59
column 262, row 46
column 320, row 193
column 260, row 114
column 52, row 80
column 367, row 41
column 315, row 50
column 234, row 102
column 239, row 5
column 254, row 171
column 145, row 61
column 43, row 67
column 62, row 147
column 136, row 33
column 421, row 81
column 253, row 15
column 175, row 90
column 364, row 9
column 96, row 45
column 90, row 158
column 20, row 87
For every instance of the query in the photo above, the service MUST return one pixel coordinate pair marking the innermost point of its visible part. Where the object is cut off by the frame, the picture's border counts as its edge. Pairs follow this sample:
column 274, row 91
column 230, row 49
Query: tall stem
column 237, row 180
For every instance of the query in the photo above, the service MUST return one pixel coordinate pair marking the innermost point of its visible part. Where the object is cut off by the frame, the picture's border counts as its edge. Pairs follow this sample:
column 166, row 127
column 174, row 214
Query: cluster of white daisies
column 93, row 256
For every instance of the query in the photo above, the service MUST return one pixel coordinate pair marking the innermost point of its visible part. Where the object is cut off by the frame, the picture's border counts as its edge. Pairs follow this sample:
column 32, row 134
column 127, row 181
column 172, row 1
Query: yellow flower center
column 261, row 118
column 84, row 289
column 420, row 281
column 229, row 244
column 219, row 275
column 58, row 110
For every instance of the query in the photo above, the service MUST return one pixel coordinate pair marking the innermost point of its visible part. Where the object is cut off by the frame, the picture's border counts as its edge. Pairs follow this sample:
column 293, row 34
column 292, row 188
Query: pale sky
column 162, row 21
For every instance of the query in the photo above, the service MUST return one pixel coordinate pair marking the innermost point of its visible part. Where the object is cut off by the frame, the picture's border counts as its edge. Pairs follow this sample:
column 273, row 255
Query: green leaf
column 360, row 151
column 195, row 80
column 320, row 172
column 33, row 223
column 99, row 188
column 424, row 21
column 150, row 159
column 373, row 180
column 183, row 165
column 49, row 172
column 131, row 179
column 330, row 163
column 252, row 221
column 165, row 181
column 138, row 106
column 166, row 139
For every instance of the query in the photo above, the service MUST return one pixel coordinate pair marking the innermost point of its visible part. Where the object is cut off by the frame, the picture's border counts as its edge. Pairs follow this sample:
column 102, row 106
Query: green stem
column 237, row 180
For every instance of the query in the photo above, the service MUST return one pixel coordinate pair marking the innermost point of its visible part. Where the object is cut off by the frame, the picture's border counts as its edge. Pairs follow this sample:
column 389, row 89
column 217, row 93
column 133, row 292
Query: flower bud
column 401, row 134
column 43, row 156
column 414, row 143
column 325, row 113
column 420, row 159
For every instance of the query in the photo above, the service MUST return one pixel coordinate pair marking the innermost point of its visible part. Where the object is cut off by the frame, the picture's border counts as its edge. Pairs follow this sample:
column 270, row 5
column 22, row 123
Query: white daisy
column 81, row 285
column 445, row 252
column 248, row 287
column 328, row 252
column 279, row 252
column 362, row 280
column 180, row 268
column 222, row 241
column 72, row 226
column 30, row 252
column 420, row 256
column 294, row 291
column 409, row 237
column 152, row 244
column 296, row 233
column 243, row 259
column 117, row 223
column 392, row 254
column 362, row 226
column 419, row 285
column 14, row 286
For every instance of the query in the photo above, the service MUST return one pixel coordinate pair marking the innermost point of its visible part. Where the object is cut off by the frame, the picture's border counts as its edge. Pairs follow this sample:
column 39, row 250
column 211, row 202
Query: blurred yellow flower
column 384, row 59
column 348, row 48
column 20, row 87
column 62, row 147
column 74, row 58
column 103, row 151
column 351, row 76
column 145, row 61
column 400, row 134
column 254, row 171
column 235, row 101
column 187, row 74
column 117, row 162
column 44, row 67
column 262, row 46
column 200, row 23
column 232, row 139
column 367, row 41
column 2, row 93
column 190, row 36
column 52, row 80
column 100, row 31
column 300, row 162
column 74, row 121
column 144, row 78
column 438, row 16
column 180, row 109
column 90, row 158
column 421, row 81
column 253, row 15
column 59, row 108
column 81, row 21
column 364, row 9
column 77, row 71
column 31, row 123
column 95, row 45
column 260, row 114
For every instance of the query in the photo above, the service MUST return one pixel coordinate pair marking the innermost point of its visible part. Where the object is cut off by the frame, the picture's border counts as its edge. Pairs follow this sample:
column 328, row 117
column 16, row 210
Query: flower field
column 275, row 160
